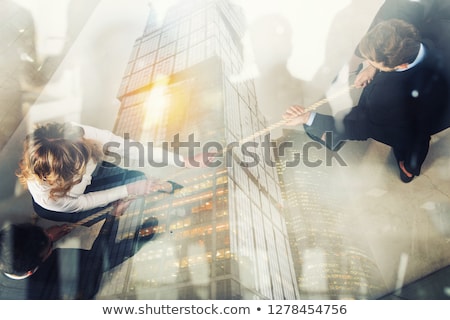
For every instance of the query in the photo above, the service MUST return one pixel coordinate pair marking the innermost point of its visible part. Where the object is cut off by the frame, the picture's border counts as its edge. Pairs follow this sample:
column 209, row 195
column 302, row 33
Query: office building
column 223, row 236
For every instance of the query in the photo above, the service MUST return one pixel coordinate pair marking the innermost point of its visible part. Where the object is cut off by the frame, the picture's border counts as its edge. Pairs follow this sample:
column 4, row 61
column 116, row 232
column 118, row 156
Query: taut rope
column 259, row 133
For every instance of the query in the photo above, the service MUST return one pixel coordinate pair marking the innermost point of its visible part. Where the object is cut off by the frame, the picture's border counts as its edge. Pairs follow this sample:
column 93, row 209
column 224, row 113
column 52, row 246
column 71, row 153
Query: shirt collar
column 419, row 58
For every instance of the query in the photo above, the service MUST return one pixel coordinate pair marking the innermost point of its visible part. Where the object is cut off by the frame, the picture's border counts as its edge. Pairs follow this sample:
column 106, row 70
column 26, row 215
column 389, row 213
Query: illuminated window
column 139, row 79
column 163, row 68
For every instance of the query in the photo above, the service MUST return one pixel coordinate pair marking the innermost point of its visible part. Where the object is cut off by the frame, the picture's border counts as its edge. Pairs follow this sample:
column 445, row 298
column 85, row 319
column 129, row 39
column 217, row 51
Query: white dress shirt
column 75, row 200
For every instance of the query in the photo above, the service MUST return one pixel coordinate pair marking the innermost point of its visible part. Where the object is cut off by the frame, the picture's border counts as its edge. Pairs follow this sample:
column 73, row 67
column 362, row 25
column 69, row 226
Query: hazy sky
column 113, row 20
column 310, row 21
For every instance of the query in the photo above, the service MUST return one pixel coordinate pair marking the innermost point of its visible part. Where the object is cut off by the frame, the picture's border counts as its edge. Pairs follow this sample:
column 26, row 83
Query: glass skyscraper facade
column 223, row 236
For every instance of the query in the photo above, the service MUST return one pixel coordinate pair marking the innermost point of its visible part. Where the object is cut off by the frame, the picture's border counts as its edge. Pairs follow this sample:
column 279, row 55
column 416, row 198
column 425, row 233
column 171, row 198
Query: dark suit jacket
column 399, row 109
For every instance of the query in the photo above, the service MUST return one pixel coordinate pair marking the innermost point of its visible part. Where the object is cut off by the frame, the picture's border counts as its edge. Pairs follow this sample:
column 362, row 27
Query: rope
column 310, row 108
column 102, row 212
column 259, row 133
column 92, row 217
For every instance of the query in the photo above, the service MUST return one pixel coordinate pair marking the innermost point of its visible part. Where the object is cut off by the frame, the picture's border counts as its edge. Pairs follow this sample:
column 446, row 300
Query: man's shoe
column 175, row 187
column 148, row 229
column 403, row 176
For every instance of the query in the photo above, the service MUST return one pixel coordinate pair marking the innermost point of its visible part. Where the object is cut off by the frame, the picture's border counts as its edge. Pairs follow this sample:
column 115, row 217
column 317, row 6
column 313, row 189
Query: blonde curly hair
column 57, row 154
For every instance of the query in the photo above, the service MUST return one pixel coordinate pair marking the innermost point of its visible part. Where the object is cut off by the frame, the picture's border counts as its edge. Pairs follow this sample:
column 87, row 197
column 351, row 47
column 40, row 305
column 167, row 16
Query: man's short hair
column 391, row 42
column 21, row 248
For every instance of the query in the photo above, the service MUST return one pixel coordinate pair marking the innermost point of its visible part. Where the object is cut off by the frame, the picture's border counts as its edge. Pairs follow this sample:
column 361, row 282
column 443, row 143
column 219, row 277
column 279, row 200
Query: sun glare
column 157, row 102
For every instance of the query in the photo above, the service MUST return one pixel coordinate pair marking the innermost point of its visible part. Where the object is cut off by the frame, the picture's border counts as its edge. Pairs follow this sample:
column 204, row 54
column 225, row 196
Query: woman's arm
column 91, row 200
column 136, row 152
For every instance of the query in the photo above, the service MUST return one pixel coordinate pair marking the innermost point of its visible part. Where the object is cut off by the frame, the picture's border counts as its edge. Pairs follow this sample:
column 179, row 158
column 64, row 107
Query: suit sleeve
column 344, row 126
column 325, row 124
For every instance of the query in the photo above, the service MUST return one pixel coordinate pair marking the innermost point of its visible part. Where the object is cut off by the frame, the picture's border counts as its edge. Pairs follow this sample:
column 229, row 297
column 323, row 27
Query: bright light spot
column 415, row 93
column 156, row 102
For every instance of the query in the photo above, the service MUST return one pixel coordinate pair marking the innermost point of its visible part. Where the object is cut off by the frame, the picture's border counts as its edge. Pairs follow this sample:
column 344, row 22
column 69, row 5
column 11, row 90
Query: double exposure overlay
column 273, row 214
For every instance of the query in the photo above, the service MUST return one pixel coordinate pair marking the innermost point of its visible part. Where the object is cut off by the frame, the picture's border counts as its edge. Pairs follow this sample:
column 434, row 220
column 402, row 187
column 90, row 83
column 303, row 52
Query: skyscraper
column 331, row 262
column 223, row 236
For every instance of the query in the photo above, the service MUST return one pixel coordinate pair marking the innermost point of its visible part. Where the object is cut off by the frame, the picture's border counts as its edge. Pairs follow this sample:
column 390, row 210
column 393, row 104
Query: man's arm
column 316, row 126
column 327, row 130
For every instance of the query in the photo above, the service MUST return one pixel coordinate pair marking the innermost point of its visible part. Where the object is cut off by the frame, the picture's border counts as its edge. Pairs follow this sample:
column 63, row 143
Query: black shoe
column 148, row 229
column 403, row 175
column 175, row 187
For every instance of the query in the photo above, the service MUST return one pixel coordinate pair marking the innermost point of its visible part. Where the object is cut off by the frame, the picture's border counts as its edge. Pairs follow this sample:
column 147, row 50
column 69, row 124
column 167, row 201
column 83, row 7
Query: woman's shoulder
column 37, row 186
